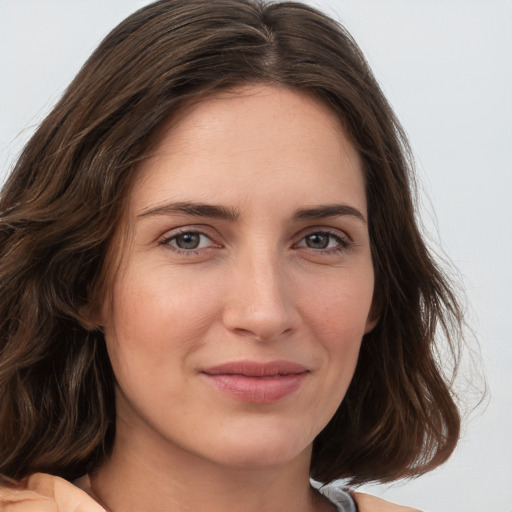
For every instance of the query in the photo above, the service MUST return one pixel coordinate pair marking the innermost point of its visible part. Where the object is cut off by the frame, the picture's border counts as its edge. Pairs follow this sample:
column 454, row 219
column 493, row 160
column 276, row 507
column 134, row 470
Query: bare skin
column 368, row 503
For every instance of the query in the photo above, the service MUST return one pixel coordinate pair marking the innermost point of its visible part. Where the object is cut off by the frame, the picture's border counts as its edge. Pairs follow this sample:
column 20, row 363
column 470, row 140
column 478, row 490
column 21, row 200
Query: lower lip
column 258, row 390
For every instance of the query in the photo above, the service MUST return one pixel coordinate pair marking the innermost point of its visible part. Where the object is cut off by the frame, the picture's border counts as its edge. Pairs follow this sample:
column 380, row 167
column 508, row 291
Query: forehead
column 245, row 142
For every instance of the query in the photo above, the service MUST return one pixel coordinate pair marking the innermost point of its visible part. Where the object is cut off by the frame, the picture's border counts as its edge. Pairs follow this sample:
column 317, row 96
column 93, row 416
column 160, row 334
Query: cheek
column 154, row 315
column 337, row 316
column 340, row 307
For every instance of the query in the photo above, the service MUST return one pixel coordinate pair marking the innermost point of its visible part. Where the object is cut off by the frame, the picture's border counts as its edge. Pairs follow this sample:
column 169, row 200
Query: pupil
column 188, row 241
column 317, row 241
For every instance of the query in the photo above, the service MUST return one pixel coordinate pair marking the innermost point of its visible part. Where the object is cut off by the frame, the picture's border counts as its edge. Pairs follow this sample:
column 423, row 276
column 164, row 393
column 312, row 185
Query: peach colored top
column 46, row 493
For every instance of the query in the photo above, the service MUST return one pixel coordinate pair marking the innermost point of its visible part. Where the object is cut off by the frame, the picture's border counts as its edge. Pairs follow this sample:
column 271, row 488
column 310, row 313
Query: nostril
column 263, row 333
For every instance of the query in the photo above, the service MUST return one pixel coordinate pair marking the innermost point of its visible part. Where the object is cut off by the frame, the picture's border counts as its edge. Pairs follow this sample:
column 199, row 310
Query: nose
column 259, row 303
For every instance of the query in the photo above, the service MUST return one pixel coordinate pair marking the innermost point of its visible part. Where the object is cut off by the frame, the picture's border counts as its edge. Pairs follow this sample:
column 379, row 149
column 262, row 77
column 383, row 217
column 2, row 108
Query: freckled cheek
column 337, row 313
column 160, row 312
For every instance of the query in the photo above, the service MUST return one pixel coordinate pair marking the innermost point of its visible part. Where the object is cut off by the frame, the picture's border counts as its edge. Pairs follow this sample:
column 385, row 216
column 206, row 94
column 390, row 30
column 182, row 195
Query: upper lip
column 256, row 368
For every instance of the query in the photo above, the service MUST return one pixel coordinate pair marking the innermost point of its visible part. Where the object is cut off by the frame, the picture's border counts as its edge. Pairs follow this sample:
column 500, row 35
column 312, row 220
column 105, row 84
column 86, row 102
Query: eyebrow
column 328, row 210
column 232, row 214
column 194, row 209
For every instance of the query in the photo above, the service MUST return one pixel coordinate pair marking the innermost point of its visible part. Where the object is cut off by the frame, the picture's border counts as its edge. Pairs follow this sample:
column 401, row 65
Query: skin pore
column 239, row 307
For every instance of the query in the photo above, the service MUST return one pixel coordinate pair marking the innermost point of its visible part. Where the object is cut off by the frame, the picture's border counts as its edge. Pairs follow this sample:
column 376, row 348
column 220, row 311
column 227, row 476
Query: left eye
column 188, row 241
column 322, row 240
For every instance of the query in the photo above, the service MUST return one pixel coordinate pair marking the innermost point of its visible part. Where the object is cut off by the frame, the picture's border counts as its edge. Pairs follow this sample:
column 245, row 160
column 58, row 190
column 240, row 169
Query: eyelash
column 344, row 243
column 167, row 242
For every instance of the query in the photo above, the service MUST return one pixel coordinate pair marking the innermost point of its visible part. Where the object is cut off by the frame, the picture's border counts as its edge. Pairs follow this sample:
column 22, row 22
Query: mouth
column 255, row 382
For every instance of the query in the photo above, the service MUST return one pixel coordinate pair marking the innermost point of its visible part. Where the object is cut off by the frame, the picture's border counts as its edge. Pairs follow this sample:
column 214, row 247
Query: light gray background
column 446, row 66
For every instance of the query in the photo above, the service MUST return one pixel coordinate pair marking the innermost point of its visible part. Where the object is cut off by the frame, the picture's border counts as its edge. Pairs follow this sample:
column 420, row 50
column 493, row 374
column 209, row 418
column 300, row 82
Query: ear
column 89, row 318
column 94, row 315
column 371, row 322
column 373, row 316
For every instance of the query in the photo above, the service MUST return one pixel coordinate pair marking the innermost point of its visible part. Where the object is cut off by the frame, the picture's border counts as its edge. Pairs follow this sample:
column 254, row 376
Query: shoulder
column 45, row 493
column 368, row 503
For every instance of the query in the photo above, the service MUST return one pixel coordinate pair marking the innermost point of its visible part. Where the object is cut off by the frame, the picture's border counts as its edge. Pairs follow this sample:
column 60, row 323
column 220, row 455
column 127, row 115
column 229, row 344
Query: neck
column 142, row 476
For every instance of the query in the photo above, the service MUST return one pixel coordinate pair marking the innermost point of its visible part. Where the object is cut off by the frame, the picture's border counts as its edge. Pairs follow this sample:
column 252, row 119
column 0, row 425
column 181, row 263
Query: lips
column 256, row 382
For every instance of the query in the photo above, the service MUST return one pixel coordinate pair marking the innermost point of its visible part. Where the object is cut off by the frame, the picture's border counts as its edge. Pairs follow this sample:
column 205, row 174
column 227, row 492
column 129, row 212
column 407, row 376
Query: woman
column 212, row 283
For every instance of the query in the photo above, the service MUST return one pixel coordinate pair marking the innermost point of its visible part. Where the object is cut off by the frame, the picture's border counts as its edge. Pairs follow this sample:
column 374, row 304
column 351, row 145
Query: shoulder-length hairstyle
column 62, row 204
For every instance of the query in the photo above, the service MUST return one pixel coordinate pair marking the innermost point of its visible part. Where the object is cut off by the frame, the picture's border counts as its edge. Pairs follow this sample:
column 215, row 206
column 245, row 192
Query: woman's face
column 238, row 311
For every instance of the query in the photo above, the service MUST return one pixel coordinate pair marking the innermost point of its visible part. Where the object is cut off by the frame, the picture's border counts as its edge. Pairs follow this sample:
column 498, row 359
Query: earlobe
column 91, row 316
column 94, row 315
column 373, row 317
column 87, row 316
column 371, row 322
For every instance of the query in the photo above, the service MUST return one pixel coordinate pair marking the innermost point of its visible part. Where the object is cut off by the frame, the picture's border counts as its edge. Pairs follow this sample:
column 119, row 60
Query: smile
column 254, row 382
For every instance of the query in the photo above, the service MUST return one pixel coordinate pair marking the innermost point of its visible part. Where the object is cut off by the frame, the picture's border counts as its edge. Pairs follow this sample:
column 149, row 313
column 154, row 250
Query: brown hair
column 61, row 205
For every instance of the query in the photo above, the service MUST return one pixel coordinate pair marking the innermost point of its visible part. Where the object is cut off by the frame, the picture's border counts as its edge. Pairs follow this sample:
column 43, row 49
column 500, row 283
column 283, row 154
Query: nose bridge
column 260, row 302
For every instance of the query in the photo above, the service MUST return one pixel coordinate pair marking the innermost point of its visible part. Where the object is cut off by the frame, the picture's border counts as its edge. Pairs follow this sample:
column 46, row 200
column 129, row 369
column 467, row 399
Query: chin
column 263, row 452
